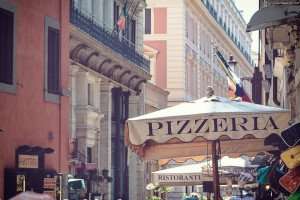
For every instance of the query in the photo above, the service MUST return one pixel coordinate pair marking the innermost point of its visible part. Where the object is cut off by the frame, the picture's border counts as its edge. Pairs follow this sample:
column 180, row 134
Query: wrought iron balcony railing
column 87, row 24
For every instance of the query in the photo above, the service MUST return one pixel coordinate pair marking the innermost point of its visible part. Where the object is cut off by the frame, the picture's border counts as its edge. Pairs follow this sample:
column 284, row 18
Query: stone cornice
column 100, row 58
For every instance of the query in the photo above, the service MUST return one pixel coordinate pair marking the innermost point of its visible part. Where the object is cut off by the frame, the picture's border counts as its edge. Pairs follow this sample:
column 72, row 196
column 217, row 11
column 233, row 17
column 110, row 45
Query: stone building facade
column 280, row 60
column 108, row 73
column 186, row 33
column 34, row 94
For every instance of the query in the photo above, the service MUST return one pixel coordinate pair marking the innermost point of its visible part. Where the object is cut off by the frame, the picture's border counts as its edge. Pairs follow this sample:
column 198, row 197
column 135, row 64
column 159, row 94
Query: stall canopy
column 185, row 129
column 195, row 174
column 274, row 15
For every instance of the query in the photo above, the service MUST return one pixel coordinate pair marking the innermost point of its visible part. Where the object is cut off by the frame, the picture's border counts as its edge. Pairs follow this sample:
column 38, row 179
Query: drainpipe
column 60, row 80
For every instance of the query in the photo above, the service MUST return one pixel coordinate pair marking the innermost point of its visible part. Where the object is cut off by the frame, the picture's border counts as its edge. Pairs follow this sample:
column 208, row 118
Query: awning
column 274, row 15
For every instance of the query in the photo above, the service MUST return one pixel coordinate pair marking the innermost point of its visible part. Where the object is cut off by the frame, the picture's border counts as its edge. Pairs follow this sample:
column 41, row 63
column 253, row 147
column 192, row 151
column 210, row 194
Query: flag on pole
column 122, row 18
column 121, row 22
column 235, row 87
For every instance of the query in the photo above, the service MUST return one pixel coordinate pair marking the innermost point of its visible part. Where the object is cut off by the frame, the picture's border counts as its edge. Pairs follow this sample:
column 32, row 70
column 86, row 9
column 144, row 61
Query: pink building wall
column 25, row 117
column 160, row 20
column 161, row 62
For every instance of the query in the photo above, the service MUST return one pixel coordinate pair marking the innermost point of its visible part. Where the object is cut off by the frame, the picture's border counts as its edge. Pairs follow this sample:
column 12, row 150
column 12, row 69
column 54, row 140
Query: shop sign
column 28, row 161
column 179, row 178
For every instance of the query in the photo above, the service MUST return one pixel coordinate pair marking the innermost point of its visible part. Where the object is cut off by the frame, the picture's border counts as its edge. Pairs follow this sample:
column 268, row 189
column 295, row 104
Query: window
column 133, row 30
column 147, row 21
column 129, row 32
column 6, row 47
column 52, row 60
column 116, row 15
column 88, row 154
column 90, row 94
column 7, row 72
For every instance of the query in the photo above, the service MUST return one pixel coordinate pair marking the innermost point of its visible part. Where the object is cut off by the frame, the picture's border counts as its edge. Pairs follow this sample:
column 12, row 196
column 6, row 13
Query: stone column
column 86, row 6
column 136, row 165
column 105, row 136
column 97, row 8
column 108, row 11
column 80, row 102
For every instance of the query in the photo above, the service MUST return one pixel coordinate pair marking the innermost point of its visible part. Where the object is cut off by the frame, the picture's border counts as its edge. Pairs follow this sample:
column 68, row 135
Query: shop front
column 30, row 174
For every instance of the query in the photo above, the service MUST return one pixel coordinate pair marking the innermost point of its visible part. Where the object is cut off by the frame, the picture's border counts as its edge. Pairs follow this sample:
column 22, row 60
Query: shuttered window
column 133, row 29
column 53, row 61
column 6, row 46
column 116, row 15
column 147, row 21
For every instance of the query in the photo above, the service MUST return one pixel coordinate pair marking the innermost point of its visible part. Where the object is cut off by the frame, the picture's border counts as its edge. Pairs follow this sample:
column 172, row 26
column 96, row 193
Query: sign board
column 49, row 183
column 28, row 161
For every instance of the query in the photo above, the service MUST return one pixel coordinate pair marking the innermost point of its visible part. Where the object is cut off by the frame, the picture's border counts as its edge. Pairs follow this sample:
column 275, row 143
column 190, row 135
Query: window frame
column 90, row 96
column 53, row 23
column 148, row 24
column 6, row 87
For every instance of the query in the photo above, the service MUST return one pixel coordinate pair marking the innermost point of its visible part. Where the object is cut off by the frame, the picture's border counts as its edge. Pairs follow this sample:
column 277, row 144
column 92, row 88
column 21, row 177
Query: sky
column 248, row 8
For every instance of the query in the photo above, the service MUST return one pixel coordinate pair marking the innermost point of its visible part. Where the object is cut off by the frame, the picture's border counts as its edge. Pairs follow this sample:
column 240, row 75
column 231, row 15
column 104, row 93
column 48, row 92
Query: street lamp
column 232, row 63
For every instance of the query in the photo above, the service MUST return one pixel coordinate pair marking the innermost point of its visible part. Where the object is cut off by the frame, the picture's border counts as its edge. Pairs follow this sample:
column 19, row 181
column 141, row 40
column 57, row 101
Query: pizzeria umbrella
column 187, row 129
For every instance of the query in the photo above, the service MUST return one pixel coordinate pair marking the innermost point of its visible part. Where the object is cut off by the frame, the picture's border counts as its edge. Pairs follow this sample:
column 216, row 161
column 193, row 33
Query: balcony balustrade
column 214, row 14
column 87, row 24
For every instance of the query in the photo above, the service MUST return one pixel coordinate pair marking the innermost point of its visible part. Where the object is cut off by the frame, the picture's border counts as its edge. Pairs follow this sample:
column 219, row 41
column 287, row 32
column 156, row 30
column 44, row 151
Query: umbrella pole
column 215, row 170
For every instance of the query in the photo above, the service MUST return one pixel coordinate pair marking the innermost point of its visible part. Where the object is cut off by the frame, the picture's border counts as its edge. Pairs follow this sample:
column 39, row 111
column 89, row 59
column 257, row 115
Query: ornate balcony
column 86, row 23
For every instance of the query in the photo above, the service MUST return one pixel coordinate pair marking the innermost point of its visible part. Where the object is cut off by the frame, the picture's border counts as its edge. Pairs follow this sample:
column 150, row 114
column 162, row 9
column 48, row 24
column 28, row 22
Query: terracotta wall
column 25, row 117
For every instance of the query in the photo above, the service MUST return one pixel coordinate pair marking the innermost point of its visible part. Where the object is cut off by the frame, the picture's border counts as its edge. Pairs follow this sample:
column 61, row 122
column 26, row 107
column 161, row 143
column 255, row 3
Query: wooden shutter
column 147, row 21
column 6, row 46
column 53, row 60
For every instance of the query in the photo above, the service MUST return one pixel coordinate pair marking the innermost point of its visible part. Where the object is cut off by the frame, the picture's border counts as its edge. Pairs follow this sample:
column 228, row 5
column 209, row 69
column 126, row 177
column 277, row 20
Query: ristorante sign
column 179, row 178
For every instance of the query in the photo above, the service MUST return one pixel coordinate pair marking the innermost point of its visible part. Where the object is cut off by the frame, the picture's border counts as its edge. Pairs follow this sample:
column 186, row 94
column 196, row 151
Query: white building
column 186, row 33
column 108, row 72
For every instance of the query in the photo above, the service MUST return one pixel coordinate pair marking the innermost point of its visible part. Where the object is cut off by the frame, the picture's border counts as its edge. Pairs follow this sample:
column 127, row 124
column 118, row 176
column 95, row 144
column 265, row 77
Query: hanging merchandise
column 262, row 175
column 291, row 180
column 291, row 135
column 278, row 169
column 291, row 157
column 294, row 196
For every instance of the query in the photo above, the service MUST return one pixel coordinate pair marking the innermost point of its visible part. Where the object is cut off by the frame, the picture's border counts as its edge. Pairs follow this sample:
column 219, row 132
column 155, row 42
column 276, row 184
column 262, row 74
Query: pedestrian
column 31, row 196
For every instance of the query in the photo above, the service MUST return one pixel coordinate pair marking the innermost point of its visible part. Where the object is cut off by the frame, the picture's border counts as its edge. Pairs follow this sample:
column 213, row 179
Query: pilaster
column 136, row 165
column 105, row 136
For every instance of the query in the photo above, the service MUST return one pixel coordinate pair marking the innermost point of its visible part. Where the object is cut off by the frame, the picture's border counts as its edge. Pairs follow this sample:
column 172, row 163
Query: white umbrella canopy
column 183, row 130
column 274, row 15
column 195, row 174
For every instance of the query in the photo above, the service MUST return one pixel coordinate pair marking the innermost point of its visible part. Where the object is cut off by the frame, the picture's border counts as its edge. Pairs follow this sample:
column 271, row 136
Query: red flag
column 121, row 22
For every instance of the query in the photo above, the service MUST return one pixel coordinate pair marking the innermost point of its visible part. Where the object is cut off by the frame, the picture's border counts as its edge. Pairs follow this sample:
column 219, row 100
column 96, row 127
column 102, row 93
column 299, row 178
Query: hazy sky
column 248, row 8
